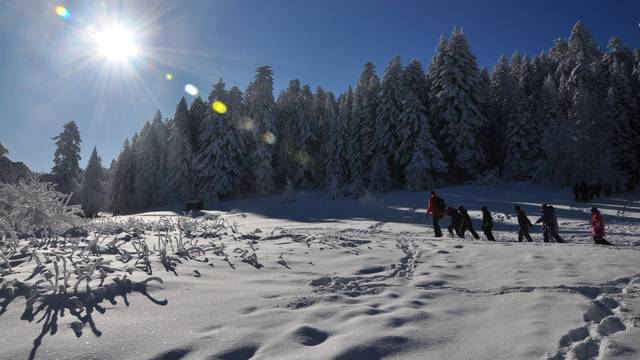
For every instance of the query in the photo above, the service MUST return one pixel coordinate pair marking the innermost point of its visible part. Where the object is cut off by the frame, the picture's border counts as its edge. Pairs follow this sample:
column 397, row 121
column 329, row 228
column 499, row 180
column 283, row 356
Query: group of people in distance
column 460, row 222
column 583, row 192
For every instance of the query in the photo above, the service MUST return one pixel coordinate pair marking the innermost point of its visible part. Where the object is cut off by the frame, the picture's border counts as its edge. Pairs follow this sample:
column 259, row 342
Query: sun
column 116, row 43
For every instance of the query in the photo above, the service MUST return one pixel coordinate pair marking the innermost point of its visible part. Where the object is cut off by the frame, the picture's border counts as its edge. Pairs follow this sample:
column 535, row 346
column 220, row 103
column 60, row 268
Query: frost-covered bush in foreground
column 33, row 208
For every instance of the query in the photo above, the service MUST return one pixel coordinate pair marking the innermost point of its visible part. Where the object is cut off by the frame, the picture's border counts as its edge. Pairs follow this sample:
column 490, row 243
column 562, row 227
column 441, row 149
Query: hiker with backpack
column 524, row 223
column 465, row 223
column 597, row 227
column 487, row 224
column 455, row 223
column 436, row 207
column 549, row 224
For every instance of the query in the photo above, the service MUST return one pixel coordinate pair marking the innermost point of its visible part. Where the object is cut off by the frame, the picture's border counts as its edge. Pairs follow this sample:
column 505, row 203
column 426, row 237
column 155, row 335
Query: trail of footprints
column 606, row 315
column 372, row 280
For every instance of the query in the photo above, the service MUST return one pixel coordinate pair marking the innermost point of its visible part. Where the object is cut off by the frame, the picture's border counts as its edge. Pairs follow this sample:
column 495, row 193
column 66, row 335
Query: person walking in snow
column 436, row 207
column 455, row 222
column 549, row 224
column 487, row 224
column 524, row 223
column 466, row 223
column 555, row 228
column 597, row 227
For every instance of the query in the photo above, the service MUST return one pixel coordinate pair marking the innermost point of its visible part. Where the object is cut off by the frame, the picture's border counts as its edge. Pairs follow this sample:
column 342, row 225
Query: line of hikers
column 460, row 222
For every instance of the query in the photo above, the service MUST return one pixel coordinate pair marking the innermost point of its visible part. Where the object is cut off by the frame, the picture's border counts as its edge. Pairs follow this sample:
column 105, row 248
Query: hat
column 594, row 209
column 517, row 207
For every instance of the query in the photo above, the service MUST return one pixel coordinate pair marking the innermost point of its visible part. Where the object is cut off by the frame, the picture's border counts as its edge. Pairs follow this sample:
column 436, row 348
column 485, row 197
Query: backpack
column 439, row 205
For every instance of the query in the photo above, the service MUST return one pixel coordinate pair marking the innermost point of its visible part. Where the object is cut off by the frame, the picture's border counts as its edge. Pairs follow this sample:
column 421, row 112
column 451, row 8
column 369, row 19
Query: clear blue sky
column 48, row 79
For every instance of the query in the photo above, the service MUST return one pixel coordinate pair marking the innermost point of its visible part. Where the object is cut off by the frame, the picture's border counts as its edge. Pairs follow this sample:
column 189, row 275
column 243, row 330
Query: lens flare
column 269, row 138
column 219, row 107
column 63, row 12
column 246, row 123
column 169, row 76
column 191, row 89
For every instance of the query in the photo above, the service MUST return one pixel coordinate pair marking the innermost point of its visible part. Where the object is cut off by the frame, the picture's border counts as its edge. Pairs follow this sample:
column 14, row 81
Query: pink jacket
column 597, row 225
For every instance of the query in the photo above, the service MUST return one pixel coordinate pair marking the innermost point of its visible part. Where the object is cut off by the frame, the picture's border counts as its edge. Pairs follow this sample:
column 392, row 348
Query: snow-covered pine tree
column 521, row 147
column 93, row 189
column 219, row 163
column 150, row 148
column 582, row 54
column 361, row 145
column 386, row 130
column 425, row 166
column 381, row 180
column 338, row 162
column 623, row 137
column 587, row 147
column 333, row 150
column 285, row 121
column 3, row 150
column 180, row 156
column 458, row 104
column 523, row 132
column 66, row 168
column 260, row 104
column 552, row 167
column 122, row 188
column 320, row 130
column 289, row 195
column 434, row 84
column 242, row 124
column 500, row 105
column 304, row 160
column 333, row 187
column 413, row 114
column 197, row 113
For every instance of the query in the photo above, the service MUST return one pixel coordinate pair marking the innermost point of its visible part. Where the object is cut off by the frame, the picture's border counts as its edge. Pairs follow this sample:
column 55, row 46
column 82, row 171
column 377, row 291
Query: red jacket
column 597, row 225
column 431, row 207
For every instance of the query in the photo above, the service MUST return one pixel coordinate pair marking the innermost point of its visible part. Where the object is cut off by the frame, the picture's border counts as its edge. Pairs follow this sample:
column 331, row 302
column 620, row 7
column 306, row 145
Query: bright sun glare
column 116, row 43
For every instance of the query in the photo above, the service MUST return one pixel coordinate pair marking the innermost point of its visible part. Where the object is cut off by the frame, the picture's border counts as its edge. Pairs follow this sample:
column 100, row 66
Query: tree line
column 562, row 116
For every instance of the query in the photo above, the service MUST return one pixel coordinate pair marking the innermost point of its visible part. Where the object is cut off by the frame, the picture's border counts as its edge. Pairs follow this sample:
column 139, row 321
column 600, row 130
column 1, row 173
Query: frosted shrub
column 35, row 208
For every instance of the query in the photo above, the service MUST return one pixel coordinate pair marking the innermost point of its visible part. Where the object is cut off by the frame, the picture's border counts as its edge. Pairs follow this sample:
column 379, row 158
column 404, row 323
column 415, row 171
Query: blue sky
column 48, row 77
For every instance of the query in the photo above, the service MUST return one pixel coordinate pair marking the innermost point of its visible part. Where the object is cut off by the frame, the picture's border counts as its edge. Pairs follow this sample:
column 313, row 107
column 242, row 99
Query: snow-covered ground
column 366, row 279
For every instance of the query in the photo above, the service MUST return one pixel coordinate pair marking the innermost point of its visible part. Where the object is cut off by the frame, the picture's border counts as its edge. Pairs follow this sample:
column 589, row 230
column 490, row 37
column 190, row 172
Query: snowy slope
column 365, row 279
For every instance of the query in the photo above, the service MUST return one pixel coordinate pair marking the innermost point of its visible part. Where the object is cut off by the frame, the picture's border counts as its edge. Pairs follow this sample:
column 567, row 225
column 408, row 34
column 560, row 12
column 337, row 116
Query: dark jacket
column 464, row 215
column 435, row 206
column 523, row 220
column 487, row 220
column 455, row 215
column 546, row 218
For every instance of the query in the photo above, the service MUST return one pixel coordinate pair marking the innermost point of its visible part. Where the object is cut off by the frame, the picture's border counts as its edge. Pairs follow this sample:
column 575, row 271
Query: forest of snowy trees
column 561, row 116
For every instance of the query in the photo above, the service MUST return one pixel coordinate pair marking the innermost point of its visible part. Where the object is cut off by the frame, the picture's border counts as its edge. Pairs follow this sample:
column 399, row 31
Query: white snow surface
column 366, row 279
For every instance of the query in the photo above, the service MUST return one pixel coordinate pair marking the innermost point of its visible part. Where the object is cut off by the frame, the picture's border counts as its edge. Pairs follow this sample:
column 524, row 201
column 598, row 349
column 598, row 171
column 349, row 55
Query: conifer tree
column 93, row 188
column 458, row 104
column 362, row 145
column 66, row 168
column 261, row 105
column 413, row 113
column 123, row 189
column 425, row 166
column 219, row 163
column 386, row 137
column 180, row 155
